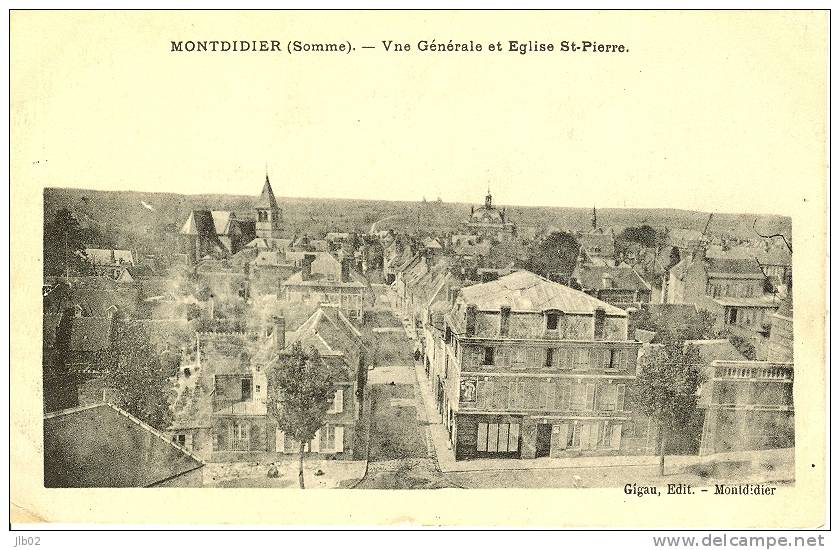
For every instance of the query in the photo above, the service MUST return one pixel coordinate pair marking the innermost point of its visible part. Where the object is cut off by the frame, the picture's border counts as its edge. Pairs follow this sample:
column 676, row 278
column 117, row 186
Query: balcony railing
column 753, row 370
column 239, row 407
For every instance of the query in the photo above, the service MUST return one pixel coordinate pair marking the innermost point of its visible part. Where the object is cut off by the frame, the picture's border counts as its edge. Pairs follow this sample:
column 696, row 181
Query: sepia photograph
column 473, row 257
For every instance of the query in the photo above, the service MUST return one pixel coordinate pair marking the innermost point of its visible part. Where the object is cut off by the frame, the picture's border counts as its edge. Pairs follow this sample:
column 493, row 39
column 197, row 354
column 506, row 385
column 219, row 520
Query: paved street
column 401, row 455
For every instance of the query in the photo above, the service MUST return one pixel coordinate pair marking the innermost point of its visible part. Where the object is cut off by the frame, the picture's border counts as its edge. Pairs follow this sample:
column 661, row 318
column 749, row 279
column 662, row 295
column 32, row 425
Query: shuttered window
column 337, row 405
column 497, row 437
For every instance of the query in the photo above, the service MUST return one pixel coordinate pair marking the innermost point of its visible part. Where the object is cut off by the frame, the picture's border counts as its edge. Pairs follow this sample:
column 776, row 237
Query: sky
column 704, row 112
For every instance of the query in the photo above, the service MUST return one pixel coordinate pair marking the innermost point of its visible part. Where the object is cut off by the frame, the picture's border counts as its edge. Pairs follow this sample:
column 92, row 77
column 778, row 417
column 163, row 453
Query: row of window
column 745, row 316
column 555, row 396
column 498, row 437
column 329, row 439
column 733, row 290
column 586, row 435
column 556, row 358
column 504, row 437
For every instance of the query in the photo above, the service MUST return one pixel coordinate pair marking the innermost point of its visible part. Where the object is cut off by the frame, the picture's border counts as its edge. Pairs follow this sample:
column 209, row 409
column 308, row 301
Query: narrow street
column 401, row 454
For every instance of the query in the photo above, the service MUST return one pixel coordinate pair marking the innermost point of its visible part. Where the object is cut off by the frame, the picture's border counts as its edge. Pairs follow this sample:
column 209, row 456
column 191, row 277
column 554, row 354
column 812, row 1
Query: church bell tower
column 268, row 213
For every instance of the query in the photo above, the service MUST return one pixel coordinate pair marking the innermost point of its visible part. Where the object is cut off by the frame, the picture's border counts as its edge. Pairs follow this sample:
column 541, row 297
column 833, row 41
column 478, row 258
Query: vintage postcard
column 419, row 268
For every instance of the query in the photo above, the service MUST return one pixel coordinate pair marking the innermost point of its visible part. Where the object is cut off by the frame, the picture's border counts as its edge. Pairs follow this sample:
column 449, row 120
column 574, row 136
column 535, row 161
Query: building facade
column 490, row 222
column 530, row 368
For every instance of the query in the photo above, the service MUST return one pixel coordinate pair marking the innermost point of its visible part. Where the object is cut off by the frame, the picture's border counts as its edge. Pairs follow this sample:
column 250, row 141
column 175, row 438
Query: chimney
column 279, row 332
column 470, row 320
column 345, row 270
column 452, row 294
column 700, row 253
column 600, row 321
column 306, row 266
column 606, row 280
column 504, row 322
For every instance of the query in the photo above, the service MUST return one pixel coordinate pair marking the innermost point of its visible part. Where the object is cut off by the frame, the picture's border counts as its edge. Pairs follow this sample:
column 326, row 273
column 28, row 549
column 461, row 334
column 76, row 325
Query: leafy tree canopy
column 300, row 390
column 554, row 256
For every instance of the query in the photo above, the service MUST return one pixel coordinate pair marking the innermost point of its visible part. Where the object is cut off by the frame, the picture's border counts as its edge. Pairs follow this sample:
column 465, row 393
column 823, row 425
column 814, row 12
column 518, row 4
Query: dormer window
column 552, row 320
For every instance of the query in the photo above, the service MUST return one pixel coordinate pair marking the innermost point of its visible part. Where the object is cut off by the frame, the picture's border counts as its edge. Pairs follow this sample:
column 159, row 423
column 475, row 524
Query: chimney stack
column 345, row 270
column 470, row 320
column 452, row 295
column 606, row 280
column 279, row 332
column 306, row 266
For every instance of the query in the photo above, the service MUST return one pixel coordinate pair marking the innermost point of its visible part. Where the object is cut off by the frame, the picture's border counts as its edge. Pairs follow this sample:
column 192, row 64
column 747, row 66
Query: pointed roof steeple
column 266, row 199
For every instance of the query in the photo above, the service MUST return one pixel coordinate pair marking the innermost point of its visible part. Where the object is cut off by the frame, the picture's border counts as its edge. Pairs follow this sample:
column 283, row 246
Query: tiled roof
column 330, row 332
column 104, row 446
column 526, row 291
column 90, row 334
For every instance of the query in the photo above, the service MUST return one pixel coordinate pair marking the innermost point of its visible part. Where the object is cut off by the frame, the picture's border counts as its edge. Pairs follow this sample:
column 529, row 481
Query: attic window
column 552, row 319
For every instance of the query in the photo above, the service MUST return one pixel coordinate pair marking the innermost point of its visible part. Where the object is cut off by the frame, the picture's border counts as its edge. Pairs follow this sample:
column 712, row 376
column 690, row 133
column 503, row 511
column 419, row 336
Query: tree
column 63, row 335
column 667, row 384
column 141, row 382
column 555, row 255
column 675, row 324
column 644, row 235
column 64, row 242
column 300, row 390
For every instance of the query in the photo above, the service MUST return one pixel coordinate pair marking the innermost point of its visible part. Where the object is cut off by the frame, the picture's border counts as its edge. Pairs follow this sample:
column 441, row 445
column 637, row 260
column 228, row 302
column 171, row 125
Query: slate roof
column 266, row 199
column 104, row 446
column 729, row 268
column 624, row 278
column 200, row 222
column 527, row 292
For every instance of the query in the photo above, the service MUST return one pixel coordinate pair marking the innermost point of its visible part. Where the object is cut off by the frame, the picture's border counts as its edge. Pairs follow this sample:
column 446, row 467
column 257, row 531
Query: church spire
column 266, row 199
column 594, row 219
